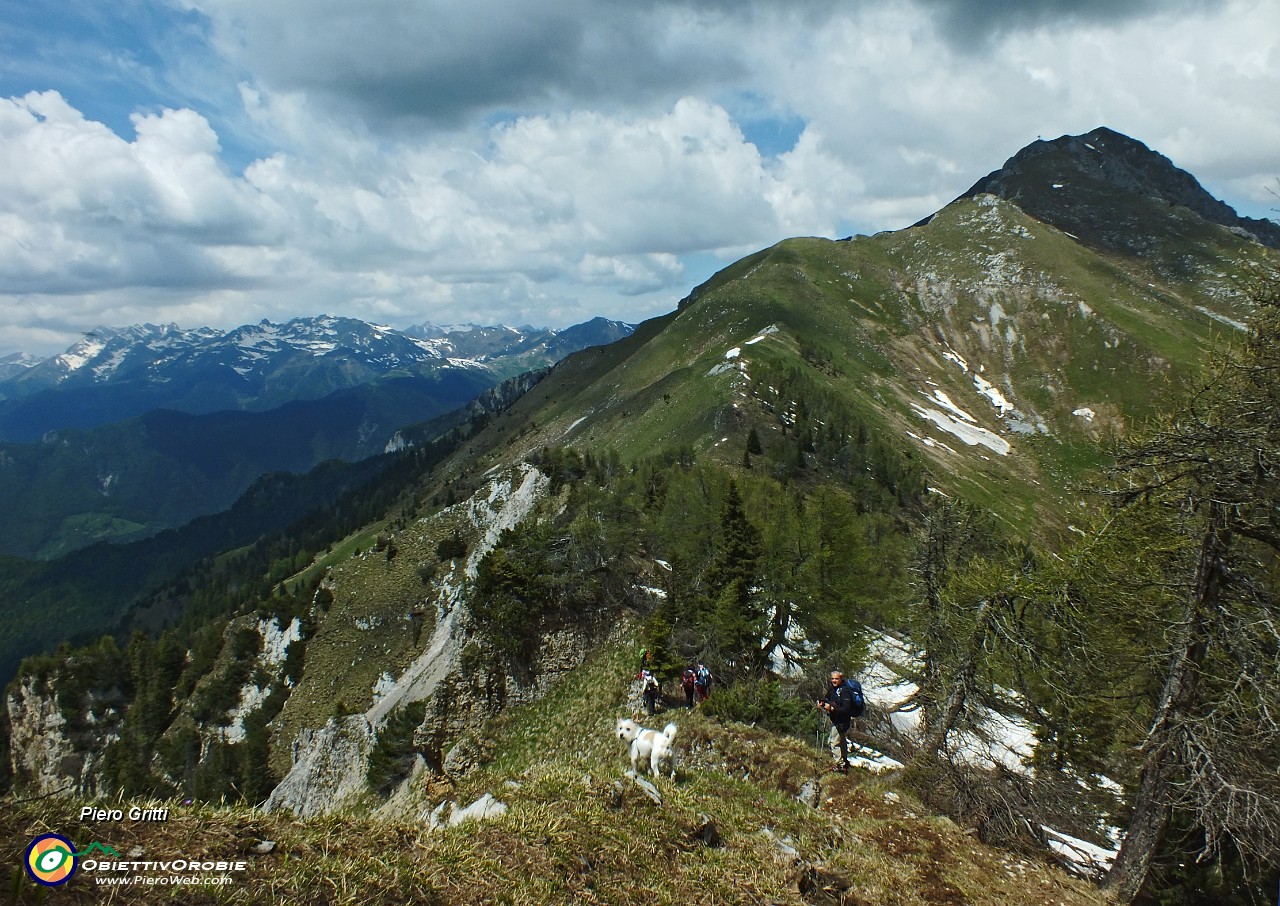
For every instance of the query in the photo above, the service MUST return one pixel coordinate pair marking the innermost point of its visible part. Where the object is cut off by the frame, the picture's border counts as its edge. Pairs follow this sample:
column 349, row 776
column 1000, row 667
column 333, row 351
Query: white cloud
column 546, row 162
column 526, row 215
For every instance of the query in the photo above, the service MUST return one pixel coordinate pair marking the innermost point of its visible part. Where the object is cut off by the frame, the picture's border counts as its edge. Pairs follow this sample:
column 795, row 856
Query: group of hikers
column 843, row 703
column 695, row 682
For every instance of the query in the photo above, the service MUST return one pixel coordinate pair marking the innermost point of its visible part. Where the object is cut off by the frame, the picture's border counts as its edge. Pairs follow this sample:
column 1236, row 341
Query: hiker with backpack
column 651, row 690
column 843, row 703
column 702, row 682
column 688, row 680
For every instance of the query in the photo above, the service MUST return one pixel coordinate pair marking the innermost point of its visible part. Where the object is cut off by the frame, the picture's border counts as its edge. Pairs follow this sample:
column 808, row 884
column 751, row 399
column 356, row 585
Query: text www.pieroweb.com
column 163, row 880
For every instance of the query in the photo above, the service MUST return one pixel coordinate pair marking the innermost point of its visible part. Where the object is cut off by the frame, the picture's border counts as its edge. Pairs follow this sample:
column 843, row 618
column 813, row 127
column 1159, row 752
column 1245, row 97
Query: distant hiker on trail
column 651, row 690
column 702, row 682
column 645, row 659
column 842, row 705
column 688, row 680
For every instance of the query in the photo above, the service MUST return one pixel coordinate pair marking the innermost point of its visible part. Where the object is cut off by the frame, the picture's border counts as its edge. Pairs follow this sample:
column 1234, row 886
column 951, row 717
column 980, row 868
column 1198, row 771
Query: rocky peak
column 1076, row 180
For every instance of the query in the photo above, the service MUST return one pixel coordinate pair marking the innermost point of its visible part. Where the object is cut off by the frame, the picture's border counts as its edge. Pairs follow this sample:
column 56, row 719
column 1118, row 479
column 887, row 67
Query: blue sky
column 215, row 162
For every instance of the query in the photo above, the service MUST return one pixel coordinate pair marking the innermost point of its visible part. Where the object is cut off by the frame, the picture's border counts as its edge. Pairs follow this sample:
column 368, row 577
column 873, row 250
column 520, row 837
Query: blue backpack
column 859, row 701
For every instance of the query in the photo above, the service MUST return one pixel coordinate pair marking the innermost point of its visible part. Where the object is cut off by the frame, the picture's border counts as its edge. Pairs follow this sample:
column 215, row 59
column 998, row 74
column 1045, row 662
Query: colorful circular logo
column 51, row 860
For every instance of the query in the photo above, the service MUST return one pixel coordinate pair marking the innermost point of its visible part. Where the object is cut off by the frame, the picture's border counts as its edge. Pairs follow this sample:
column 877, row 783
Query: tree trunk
column 1151, row 803
column 1145, row 833
column 945, row 720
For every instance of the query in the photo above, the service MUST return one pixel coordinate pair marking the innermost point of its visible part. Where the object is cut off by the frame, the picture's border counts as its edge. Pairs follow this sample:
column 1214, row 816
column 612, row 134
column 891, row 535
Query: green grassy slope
column 1081, row 343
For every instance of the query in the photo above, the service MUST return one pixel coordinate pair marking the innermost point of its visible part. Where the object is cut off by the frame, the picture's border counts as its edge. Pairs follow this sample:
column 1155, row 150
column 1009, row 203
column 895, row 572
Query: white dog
column 649, row 745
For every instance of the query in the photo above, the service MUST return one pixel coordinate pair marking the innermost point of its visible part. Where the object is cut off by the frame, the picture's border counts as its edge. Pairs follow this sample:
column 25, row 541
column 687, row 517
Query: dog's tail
column 669, row 731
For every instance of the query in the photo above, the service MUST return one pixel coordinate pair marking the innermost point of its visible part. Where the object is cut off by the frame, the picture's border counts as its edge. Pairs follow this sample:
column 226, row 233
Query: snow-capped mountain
column 15, row 364
column 118, row 373
column 491, row 344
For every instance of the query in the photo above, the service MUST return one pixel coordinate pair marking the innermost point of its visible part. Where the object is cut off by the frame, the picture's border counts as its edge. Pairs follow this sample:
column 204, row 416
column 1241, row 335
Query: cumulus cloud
column 970, row 22
column 547, row 162
column 526, row 216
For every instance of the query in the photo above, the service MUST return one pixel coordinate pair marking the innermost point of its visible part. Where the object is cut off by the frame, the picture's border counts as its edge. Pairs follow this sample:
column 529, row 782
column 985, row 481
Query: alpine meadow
column 1016, row 468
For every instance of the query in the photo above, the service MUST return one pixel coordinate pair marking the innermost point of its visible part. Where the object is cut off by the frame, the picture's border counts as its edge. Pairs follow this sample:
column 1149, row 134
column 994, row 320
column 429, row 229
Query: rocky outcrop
column 1073, row 182
column 329, row 764
column 328, row 768
column 50, row 754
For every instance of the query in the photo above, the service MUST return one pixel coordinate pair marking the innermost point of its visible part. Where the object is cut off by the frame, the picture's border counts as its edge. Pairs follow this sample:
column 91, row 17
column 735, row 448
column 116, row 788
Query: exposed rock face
column 328, row 768
column 329, row 764
column 50, row 756
column 461, row 705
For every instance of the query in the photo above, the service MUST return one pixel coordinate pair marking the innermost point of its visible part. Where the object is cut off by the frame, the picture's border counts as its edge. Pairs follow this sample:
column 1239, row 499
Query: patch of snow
column 654, row 592
column 955, row 357
column 574, row 425
column 945, row 402
column 992, row 393
column 1085, row 858
column 1231, row 322
column 105, row 369
column 1084, row 412
column 664, row 564
column 396, row 444
column 973, row 435
column 1110, row 785
column 483, row 809
column 929, row 441
column 789, row 657
column 1057, row 185
column 772, row 328
column 869, row 759
column 76, row 358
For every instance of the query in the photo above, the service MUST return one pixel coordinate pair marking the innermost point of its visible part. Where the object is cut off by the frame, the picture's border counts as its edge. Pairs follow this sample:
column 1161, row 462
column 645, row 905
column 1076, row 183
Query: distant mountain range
column 136, row 430
column 115, row 374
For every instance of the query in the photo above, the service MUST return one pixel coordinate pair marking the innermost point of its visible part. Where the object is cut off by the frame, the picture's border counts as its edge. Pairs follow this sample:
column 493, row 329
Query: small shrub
column 451, row 548
column 762, row 703
column 392, row 756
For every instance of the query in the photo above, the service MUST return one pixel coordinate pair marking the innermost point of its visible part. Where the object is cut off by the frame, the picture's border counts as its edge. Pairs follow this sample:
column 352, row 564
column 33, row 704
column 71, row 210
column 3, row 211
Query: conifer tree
column 1211, row 751
column 737, row 614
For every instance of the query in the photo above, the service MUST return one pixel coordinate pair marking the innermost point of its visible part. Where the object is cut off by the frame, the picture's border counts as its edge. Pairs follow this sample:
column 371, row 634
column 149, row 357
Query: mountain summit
column 1079, row 183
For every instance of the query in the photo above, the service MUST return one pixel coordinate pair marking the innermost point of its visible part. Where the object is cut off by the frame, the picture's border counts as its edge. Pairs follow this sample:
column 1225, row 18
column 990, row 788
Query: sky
column 218, row 162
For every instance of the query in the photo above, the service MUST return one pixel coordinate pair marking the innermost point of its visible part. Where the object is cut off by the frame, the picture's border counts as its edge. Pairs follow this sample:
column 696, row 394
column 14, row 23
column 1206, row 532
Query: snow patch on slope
column 973, row 435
